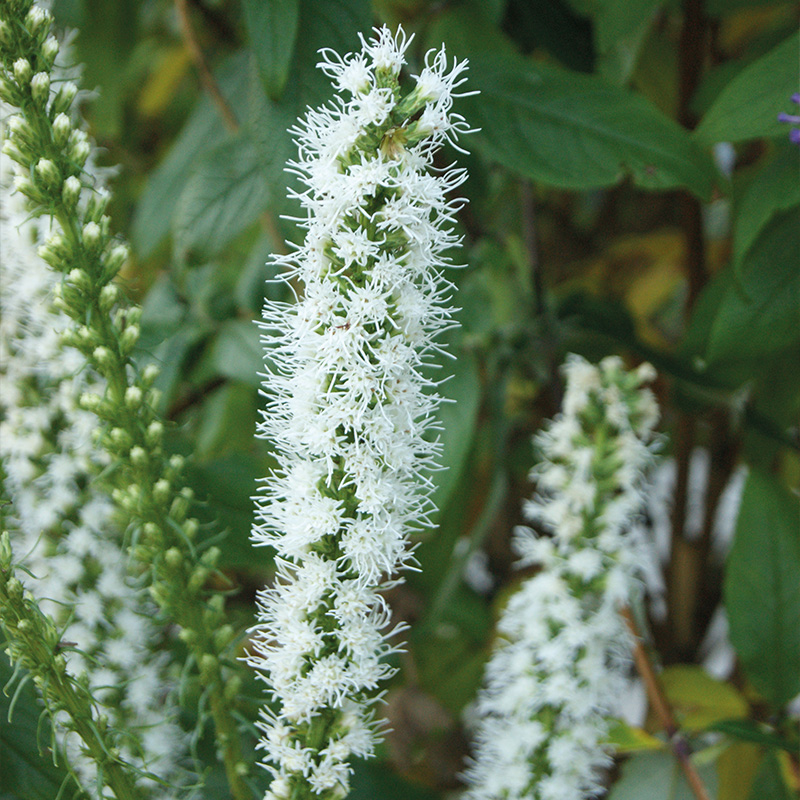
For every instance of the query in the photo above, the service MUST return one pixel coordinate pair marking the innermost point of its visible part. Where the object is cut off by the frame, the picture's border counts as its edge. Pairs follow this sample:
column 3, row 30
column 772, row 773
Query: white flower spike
column 348, row 405
column 560, row 667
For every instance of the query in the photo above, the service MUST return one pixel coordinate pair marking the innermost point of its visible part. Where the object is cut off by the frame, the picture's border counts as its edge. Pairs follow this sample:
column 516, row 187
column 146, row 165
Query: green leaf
column 620, row 29
column 272, row 30
column 769, row 783
column 749, row 106
column 227, row 422
column 759, row 314
column 237, row 352
column 373, row 780
column 748, row 730
column 225, row 194
column 577, row 131
column 25, row 773
column 698, row 699
column 657, row 776
column 762, row 589
column 775, row 188
column 204, row 131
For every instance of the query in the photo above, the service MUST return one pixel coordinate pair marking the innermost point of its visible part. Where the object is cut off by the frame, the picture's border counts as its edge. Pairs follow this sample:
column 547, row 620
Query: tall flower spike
column 348, row 405
column 68, row 538
column 560, row 665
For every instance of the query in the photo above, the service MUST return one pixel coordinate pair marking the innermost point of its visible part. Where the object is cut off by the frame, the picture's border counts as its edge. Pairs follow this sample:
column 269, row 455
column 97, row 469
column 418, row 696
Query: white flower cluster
column 348, row 405
column 559, row 669
column 67, row 537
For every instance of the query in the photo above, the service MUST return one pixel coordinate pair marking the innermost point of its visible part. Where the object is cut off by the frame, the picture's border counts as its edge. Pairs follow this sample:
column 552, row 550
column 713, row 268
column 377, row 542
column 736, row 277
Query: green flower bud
column 128, row 339
column 190, row 528
column 139, row 456
column 154, row 434
column 47, row 171
column 62, row 102
column 149, row 375
column 40, row 88
column 209, row 668
column 103, row 356
column 223, row 637
column 37, row 21
column 232, row 688
column 173, row 558
column 187, row 636
column 91, row 235
column 71, row 192
column 22, row 71
column 50, row 50
column 115, row 259
column 133, row 397
column 62, row 128
column 197, row 580
column 108, row 297
column 162, row 490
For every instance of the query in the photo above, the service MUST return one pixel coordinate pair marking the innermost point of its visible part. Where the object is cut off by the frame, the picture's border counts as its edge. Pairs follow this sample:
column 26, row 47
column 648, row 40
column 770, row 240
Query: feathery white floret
column 559, row 668
column 348, row 405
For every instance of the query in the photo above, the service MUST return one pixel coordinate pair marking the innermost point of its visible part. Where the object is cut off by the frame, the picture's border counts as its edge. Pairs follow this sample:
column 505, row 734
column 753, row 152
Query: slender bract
column 348, row 404
column 559, row 668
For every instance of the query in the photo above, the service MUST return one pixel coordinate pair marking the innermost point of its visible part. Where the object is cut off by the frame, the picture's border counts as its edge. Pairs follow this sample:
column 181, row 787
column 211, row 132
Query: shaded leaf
column 769, row 783
column 224, row 195
column 775, row 188
column 620, row 29
column 237, row 352
column 759, row 313
column 204, row 131
column 749, row 106
column 762, row 590
column 626, row 739
column 272, row 29
column 577, row 131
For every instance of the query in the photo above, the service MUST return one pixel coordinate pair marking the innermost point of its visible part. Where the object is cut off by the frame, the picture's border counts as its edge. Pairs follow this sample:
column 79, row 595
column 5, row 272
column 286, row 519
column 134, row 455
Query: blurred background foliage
column 631, row 191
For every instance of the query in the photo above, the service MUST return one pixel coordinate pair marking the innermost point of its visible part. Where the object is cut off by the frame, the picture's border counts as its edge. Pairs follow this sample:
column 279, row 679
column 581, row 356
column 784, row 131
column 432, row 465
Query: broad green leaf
column 762, row 588
column 225, row 194
column 759, row 311
column 775, row 188
column 25, row 772
column 620, row 29
column 657, row 776
column 749, row 106
column 227, row 422
column 204, row 131
column 237, row 352
column 700, row 700
column 769, row 783
column 577, row 131
column 272, row 30
column 736, row 769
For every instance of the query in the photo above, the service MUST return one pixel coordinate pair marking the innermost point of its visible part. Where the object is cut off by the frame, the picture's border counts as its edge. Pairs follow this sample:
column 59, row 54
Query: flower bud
column 40, row 88
column 149, row 375
column 37, row 21
column 154, row 434
column 47, row 171
column 62, row 102
column 209, row 667
column 62, row 128
column 115, row 259
column 128, row 339
column 120, row 438
column 173, row 558
column 71, row 192
column 108, row 297
column 103, row 356
column 91, row 235
column 50, row 50
column 22, row 71
column 133, row 397
column 138, row 456
column 162, row 490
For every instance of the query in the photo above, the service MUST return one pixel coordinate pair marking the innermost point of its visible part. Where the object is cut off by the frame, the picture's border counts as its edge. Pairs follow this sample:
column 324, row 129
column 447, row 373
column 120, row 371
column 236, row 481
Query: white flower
column 348, row 405
column 559, row 670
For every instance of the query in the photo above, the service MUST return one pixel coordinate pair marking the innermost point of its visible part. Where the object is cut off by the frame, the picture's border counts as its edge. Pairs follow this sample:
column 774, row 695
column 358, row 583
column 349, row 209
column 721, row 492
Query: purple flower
column 792, row 119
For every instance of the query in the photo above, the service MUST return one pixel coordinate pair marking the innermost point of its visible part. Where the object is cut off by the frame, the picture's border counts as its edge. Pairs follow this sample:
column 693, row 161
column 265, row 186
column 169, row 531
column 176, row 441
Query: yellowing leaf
column 628, row 739
column 163, row 81
column 736, row 769
column 699, row 700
